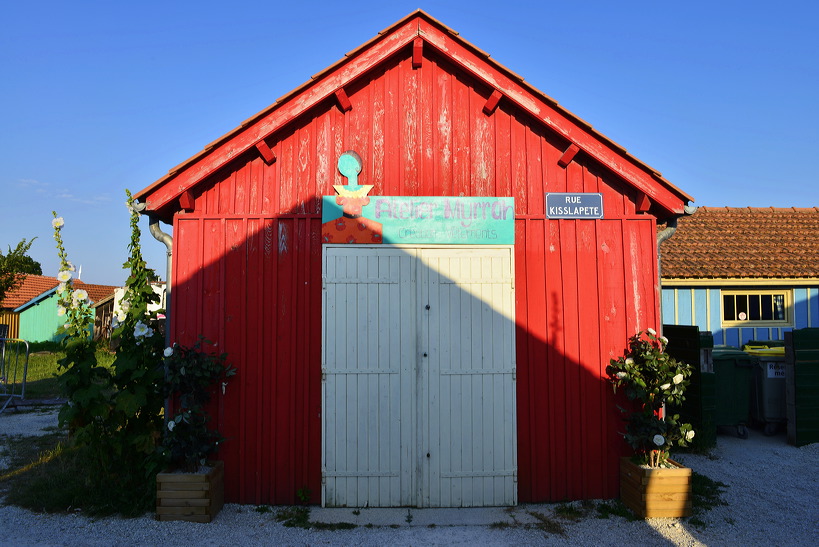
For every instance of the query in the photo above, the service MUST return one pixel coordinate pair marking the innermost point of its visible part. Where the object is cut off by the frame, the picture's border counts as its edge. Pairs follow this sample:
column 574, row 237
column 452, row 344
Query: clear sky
column 721, row 97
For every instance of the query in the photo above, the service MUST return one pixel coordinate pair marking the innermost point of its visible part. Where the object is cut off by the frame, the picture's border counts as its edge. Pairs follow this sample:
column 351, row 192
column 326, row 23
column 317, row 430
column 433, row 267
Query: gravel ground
column 772, row 499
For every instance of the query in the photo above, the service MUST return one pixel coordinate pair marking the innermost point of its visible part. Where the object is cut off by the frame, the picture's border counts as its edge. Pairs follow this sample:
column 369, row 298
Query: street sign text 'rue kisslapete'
column 574, row 205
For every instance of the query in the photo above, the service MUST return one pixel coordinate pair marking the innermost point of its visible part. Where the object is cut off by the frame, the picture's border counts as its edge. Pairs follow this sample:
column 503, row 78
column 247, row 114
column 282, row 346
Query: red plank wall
column 248, row 276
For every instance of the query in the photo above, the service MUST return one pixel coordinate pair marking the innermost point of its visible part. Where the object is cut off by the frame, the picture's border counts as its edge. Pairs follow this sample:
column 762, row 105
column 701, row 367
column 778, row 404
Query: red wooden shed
column 463, row 367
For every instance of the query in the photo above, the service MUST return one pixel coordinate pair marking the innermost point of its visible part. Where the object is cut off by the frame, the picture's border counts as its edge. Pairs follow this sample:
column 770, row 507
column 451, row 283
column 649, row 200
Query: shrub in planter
column 191, row 376
column 651, row 379
column 193, row 489
column 651, row 484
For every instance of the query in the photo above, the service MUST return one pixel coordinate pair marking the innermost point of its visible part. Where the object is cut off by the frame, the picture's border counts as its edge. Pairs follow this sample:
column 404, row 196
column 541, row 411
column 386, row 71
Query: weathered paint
column 247, row 270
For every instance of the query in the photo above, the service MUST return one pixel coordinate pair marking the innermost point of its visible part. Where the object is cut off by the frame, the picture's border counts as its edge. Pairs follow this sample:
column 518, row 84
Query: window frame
column 762, row 323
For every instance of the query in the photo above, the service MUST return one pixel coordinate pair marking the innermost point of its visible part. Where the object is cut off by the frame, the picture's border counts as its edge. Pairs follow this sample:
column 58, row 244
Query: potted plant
column 192, row 489
column 652, row 484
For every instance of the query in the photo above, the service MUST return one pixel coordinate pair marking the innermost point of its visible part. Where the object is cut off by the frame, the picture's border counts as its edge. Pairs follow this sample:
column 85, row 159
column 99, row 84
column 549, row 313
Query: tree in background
column 14, row 264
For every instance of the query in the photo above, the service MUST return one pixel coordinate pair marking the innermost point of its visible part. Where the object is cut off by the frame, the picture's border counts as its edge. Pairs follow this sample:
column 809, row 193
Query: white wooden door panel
column 470, row 422
column 418, row 368
column 365, row 392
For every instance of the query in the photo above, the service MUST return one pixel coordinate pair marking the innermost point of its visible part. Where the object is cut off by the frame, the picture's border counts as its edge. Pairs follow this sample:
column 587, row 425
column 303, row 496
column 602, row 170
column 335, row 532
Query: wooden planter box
column 194, row 497
column 656, row 492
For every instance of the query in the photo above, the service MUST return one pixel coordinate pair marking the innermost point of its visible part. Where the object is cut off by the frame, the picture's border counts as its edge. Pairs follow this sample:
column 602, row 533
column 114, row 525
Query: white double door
column 418, row 377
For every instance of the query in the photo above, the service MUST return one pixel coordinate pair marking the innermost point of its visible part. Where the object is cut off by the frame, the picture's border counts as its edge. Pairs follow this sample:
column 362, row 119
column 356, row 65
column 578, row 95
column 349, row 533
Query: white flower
column 689, row 435
column 61, row 287
column 171, row 425
column 63, row 276
column 665, row 386
column 651, row 331
column 124, row 305
column 678, row 378
column 121, row 316
column 182, row 371
column 60, row 311
column 80, row 295
column 664, row 340
column 71, row 267
column 621, row 375
column 57, row 222
column 629, row 361
column 168, row 351
column 659, row 440
column 141, row 329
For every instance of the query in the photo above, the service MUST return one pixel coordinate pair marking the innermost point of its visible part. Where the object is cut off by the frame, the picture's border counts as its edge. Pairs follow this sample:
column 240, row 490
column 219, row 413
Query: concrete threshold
column 428, row 517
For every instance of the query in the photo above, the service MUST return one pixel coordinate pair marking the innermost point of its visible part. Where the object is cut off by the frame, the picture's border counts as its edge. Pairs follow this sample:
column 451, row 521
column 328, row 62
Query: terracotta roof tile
column 31, row 287
column 95, row 292
column 747, row 242
column 35, row 285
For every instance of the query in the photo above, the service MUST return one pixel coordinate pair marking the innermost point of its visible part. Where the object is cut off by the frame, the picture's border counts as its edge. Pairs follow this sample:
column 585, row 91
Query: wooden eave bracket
column 643, row 203
column 417, row 52
column 568, row 155
column 492, row 102
column 186, row 201
column 344, row 103
column 267, row 154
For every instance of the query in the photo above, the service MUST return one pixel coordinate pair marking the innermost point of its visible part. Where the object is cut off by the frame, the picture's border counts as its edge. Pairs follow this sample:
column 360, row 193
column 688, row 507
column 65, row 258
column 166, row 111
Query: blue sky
column 97, row 97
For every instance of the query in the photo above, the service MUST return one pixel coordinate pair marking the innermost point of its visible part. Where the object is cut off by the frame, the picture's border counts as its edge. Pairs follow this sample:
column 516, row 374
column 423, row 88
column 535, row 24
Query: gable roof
column 30, row 288
column 36, row 287
column 95, row 292
column 747, row 242
column 417, row 31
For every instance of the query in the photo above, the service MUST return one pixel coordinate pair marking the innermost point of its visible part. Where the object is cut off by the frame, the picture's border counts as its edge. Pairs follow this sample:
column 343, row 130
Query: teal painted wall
column 701, row 306
column 39, row 322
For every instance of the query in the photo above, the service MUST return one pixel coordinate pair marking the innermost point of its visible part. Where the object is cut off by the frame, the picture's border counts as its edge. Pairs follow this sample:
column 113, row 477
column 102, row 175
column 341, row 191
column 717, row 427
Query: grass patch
column 707, row 494
column 616, row 508
column 548, row 524
column 47, row 474
column 294, row 517
column 299, row 517
column 42, row 372
column 574, row 512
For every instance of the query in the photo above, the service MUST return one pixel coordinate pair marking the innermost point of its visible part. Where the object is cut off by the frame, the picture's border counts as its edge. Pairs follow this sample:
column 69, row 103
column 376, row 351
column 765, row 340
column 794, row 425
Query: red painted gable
column 418, row 32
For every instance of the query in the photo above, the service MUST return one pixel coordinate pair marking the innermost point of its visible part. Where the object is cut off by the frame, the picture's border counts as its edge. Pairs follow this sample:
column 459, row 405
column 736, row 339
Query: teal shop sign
column 352, row 218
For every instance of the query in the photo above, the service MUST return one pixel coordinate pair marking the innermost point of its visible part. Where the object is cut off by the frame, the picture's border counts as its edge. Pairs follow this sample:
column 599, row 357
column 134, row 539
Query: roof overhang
column 721, row 282
column 34, row 300
column 160, row 197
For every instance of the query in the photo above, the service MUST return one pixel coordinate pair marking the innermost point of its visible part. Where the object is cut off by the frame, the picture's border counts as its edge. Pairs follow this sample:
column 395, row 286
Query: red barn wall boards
column 483, row 402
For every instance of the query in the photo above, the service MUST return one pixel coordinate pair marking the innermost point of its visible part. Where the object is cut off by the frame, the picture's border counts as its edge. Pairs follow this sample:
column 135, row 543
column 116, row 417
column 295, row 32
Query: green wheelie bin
column 733, row 370
column 768, row 408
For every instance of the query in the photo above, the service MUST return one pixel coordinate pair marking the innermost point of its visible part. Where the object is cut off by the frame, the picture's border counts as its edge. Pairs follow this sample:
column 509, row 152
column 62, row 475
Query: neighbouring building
column 743, row 273
column 30, row 309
